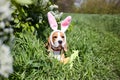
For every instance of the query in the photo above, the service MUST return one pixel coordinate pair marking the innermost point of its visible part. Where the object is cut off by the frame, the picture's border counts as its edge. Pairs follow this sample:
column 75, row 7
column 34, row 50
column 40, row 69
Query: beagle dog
column 57, row 40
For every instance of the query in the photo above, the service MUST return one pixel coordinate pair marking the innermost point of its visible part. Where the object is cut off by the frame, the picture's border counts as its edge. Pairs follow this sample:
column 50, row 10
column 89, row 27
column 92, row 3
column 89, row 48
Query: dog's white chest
column 57, row 55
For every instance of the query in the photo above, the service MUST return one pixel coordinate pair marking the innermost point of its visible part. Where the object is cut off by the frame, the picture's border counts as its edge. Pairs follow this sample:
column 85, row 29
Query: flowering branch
column 6, row 36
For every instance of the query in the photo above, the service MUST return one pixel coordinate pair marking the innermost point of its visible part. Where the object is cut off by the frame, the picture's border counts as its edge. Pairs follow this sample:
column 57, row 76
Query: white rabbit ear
column 65, row 23
column 52, row 21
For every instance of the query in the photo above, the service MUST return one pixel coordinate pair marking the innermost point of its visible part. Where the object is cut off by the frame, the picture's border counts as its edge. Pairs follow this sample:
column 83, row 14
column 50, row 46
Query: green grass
column 97, row 37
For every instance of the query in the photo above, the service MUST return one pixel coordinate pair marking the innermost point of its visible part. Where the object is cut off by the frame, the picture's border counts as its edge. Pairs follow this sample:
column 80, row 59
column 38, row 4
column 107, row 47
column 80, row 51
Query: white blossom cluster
column 57, row 14
column 44, row 3
column 54, row 10
column 6, row 35
column 5, row 11
column 53, row 7
column 5, row 61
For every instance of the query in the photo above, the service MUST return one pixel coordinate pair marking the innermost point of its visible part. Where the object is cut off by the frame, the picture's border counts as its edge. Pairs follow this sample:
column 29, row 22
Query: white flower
column 53, row 7
column 8, row 30
column 5, row 61
column 2, row 25
column 44, row 3
column 0, row 41
column 4, row 9
column 57, row 14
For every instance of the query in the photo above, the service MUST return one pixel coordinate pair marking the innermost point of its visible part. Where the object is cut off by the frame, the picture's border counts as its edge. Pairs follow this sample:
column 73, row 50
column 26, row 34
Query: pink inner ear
column 66, row 22
column 52, row 21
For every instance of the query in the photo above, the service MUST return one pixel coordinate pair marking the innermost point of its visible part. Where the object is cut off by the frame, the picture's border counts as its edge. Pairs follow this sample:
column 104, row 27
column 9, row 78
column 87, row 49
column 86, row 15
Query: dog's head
column 57, row 37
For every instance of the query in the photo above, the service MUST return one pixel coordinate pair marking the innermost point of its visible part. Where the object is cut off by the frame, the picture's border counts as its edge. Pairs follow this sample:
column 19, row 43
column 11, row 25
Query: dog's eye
column 55, row 37
column 62, row 36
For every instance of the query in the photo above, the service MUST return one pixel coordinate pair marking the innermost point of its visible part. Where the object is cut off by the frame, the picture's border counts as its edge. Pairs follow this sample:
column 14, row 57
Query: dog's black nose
column 60, row 42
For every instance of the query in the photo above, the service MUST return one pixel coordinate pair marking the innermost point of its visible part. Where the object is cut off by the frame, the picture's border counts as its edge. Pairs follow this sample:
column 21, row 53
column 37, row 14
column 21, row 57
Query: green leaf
column 73, row 57
column 37, row 25
column 16, row 20
column 24, row 1
column 32, row 28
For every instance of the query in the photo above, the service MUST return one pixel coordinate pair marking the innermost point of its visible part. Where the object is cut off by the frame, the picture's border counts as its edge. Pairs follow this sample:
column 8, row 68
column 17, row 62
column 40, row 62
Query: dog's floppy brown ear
column 48, row 45
column 65, row 47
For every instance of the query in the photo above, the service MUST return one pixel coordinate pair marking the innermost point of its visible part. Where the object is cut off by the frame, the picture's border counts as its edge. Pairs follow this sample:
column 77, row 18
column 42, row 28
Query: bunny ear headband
column 53, row 24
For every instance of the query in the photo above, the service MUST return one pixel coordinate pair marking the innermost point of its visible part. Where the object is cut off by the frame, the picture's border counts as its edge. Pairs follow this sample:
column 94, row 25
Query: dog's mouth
column 60, row 46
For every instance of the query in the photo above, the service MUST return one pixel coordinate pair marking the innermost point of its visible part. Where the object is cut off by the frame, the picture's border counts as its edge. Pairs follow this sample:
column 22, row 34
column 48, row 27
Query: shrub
column 31, row 15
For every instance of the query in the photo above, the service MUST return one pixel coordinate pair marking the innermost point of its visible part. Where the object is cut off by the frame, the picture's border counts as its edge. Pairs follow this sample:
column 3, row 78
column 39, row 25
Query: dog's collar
column 56, row 48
